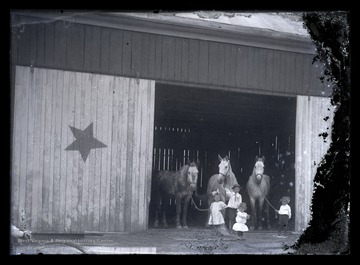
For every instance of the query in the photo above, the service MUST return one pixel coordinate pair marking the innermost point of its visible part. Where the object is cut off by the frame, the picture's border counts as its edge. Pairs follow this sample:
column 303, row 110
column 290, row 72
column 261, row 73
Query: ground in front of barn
column 191, row 241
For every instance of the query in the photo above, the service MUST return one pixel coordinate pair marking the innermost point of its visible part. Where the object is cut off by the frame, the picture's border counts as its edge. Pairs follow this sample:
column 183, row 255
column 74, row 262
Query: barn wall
column 168, row 59
column 310, row 149
column 54, row 189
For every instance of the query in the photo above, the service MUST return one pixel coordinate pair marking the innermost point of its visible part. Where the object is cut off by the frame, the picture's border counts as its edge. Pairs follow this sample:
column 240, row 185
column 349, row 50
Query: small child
column 241, row 217
column 216, row 217
column 284, row 215
column 233, row 204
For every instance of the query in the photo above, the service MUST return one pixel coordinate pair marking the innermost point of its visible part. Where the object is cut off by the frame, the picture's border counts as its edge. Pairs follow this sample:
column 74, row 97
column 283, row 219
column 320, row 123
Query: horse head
column 259, row 168
column 192, row 176
column 224, row 169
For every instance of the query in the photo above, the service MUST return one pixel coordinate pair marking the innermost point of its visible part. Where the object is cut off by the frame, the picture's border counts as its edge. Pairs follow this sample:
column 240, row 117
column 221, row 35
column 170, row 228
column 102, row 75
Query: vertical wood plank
column 152, row 54
column 115, row 59
column 30, row 150
column 145, row 56
column 109, row 151
column 33, row 44
column 136, row 54
column 227, row 65
column 126, row 53
column 115, row 160
column 135, row 184
column 299, row 74
column 124, row 137
column 40, row 54
column 213, row 63
column 221, row 64
column 158, row 56
column 16, row 147
column 58, row 97
column 177, row 59
column 87, row 47
column 262, row 69
column 185, row 60
column 75, row 47
column 193, row 60
column 269, row 70
column 142, row 153
column 306, row 74
column 71, row 157
column 65, row 130
column 60, row 45
column 250, row 68
column 24, row 47
column 23, row 143
column 203, row 61
column 95, row 49
column 102, row 136
column 130, row 149
column 282, row 72
column 276, row 71
column 97, row 156
column 50, row 44
column 86, row 118
column 290, row 77
column 51, row 113
column 105, row 50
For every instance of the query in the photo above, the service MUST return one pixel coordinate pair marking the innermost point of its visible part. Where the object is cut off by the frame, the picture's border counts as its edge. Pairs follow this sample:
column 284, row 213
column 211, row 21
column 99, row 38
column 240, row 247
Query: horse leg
column 261, row 204
column 178, row 212
column 163, row 216
column 157, row 210
column 184, row 213
column 253, row 212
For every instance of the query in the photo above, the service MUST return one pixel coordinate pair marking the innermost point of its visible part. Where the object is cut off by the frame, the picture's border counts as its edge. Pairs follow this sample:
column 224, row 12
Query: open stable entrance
column 198, row 124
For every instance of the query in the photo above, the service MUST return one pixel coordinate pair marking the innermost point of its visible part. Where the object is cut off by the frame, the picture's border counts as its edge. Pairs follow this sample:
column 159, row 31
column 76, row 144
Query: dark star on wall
column 84, row 142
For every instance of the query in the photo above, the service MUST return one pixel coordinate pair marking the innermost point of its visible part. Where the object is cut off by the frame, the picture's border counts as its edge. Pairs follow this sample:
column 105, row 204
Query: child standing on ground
column 233, row 204
column 216, row 217
column 284, row 215
column 241, row 217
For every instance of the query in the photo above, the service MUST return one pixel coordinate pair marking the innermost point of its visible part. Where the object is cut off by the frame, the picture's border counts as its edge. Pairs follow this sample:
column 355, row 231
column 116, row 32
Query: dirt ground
column 192, row 241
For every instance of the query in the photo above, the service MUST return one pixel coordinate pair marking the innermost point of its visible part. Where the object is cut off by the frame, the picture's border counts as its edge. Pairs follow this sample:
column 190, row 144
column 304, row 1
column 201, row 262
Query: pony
column 258, row 187
column 223, row 181
column 180, row 185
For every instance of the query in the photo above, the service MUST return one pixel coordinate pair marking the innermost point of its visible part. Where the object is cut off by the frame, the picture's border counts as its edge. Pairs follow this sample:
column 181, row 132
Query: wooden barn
column 102, row 100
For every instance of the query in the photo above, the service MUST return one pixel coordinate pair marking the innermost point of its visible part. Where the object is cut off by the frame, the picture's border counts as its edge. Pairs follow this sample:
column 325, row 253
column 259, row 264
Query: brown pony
column 179, row 185
column 258, row 187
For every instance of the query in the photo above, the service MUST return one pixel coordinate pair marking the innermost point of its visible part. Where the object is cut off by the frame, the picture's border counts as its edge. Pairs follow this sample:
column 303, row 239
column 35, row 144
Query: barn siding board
column 58, row 150
column 145, row 55
column 221, row 64
column 75, row 47
column 49, row 44
column 40, row 54
column 276, row 70
column 60, row 45
column 128, row 54
column 115, row 60
column 193, row 61
column 269, row 86
column 105, row 50
column 282, row 71
column 227, row 66
column 299, row 75
column 213, row 63
column 185, row 60
column 310, row 149
column 30, row 151
column 203, row 61
column 33, row 43
column 24, row 53
column 262, row 69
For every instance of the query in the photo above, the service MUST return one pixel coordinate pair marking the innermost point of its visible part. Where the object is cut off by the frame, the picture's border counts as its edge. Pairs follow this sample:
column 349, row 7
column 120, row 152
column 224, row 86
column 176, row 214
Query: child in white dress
column 216, row 217
column 241, row 217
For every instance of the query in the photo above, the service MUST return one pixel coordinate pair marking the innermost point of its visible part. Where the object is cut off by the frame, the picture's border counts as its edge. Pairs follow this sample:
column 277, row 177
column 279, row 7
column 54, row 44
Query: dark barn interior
column 198, row 124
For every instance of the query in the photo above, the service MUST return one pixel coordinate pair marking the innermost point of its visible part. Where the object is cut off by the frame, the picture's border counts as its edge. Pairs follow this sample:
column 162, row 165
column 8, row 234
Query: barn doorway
column 198, row 123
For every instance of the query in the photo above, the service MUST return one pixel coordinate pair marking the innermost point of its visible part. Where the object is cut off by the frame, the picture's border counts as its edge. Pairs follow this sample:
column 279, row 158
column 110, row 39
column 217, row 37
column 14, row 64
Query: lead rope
column 270, row 204
column 197, row 208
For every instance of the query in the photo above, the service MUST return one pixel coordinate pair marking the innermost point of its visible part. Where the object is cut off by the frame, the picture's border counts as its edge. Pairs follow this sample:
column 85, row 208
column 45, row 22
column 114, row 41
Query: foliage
column 328, row 230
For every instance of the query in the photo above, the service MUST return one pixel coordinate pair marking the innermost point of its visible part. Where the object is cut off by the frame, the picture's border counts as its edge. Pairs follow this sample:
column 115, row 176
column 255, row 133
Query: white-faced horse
column 258, row 187
column 223, row 181
column 179, row 185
